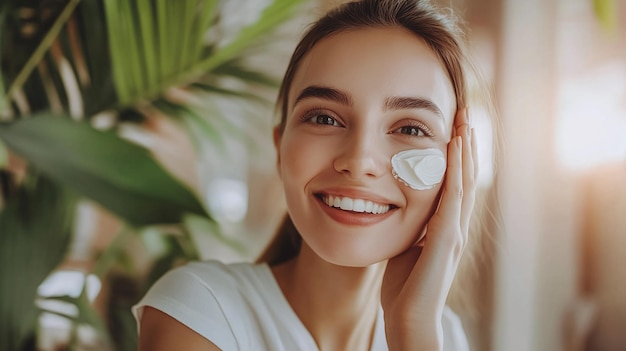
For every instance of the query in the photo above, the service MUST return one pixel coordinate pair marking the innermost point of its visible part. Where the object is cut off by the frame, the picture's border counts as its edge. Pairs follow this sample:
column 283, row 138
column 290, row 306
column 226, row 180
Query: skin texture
column 333, row 285
column 350, row 262
column 353, row 158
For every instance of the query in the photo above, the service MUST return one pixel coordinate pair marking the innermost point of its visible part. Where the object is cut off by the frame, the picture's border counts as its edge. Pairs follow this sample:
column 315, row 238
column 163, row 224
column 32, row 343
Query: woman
column 373, row 114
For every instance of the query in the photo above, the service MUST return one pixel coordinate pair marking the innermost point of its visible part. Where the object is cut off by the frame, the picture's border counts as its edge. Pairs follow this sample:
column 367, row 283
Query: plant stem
column 45, row 44
column 4, row 102
column 111, row 252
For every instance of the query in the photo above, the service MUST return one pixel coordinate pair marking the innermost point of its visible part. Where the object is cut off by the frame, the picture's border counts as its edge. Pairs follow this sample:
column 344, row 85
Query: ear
column 277, row 137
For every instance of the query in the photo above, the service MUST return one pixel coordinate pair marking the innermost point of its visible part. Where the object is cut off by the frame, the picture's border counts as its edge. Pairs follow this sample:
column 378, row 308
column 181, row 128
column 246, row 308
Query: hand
column 417, row 282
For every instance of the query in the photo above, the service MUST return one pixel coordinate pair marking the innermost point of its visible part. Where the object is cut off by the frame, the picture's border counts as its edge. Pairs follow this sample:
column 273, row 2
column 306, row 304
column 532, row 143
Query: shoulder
column 206, row 297
column 204, row 278
column 191, row 283
column 159, row 331
column 454, row 337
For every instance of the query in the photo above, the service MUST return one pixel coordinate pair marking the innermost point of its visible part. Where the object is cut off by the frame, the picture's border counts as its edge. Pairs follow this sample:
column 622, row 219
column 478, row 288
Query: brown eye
column 324, row 120
column 411, row 131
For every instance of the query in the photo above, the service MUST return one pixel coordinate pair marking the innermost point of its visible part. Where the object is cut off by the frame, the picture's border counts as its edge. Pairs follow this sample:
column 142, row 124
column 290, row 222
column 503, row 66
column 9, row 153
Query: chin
column 354, row 256
column 344, row 261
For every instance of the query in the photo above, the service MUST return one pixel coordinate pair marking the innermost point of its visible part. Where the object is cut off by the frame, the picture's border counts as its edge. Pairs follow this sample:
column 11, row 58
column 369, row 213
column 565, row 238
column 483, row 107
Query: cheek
column 428, row 199
column 303, row 157
column 422, row 204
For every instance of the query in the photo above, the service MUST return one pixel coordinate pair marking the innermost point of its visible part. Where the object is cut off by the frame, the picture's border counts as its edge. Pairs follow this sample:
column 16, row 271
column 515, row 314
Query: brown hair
column 441, row 32
column 437, row 28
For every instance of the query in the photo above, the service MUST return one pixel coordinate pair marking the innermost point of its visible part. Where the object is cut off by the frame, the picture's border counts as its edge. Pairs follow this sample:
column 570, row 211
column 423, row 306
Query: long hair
column 437, row 27
column 441, row 32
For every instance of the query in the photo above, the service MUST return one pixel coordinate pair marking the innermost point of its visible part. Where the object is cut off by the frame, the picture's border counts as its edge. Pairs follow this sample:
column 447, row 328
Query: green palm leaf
column 35, row 230
column 121, row 176
column 43, row 47
column 178, row 42
column 234, row 68
column 121, row 55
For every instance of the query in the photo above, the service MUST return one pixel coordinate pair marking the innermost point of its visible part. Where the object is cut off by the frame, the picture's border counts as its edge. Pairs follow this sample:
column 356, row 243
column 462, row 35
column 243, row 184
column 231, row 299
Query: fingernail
column 458, row 142
column 467, row 116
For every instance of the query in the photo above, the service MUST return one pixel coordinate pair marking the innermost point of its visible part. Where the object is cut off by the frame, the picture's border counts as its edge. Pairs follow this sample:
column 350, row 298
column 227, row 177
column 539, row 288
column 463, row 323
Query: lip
column 354, row 218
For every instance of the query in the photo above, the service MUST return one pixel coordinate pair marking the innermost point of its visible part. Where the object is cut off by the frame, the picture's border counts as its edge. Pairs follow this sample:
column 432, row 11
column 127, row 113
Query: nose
column 361, row 156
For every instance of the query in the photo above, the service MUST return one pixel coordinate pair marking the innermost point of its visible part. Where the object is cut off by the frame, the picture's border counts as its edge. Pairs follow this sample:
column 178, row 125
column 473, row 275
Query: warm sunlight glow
column 70, row 283
column 485, row 144
column 591, row 128
column 56, row 317
column 228, row 199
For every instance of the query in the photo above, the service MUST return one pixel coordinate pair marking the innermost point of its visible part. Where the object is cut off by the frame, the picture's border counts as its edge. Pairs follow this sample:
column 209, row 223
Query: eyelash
column 317, row 112
column 418, row 125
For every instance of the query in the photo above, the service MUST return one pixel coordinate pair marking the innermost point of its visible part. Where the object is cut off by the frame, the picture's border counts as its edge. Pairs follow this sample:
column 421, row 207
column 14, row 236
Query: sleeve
column 184, row 296
column 454, row 338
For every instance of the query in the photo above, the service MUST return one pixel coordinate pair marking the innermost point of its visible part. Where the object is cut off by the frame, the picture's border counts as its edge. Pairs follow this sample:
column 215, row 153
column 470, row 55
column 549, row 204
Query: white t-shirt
column 241, row 307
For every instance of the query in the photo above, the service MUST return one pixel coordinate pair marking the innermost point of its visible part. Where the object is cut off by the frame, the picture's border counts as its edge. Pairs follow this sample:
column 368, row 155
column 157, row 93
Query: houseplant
column 67, row 66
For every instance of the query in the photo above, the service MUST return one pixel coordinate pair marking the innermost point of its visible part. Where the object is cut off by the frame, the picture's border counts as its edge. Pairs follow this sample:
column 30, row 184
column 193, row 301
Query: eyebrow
column 325, row 93
column 391, row 103
column 400, row 103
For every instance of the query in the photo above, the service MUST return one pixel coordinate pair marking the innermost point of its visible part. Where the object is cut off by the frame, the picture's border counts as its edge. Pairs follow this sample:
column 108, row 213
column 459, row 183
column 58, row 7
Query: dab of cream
column 420, row 169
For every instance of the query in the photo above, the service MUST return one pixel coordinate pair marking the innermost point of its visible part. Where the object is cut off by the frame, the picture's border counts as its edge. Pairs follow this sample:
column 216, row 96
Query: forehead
column 375, row 63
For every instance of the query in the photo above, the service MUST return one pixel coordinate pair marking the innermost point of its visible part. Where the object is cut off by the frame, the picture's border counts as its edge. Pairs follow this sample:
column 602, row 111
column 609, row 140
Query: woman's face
column 358, row 98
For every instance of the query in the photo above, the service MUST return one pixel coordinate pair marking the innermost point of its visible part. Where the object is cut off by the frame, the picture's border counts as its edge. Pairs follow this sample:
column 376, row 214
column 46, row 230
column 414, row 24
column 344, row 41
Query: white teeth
column 356, row 205
column 336, row 202
column 346, row 204
column 359, row 205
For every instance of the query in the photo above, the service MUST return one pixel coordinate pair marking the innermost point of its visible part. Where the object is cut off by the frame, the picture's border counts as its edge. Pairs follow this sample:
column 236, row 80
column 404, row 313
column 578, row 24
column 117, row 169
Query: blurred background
column 136, row 136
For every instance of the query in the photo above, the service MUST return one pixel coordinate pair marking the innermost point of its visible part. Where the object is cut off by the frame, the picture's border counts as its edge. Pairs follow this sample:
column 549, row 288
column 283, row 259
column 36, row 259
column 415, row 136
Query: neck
column 338, row 305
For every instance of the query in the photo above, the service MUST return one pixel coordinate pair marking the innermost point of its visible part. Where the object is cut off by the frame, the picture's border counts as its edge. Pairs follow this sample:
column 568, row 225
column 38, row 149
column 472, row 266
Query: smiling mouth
column 355, row 205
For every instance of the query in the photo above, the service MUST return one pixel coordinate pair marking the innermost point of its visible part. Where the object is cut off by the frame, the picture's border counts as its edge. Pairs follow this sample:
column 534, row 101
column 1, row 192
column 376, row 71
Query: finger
column 462, row 126
column 450, row 205
column 461, row 118
column 475, row 153
column 461, row 123
column 434, row 272
column 468, row 159
column 399, row 268
column 469, row 181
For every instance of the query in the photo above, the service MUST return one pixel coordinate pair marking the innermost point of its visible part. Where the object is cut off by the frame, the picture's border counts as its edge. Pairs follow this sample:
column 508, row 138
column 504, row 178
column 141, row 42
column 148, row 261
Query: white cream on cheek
column 419, row 169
